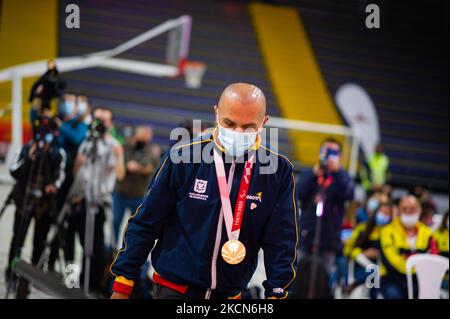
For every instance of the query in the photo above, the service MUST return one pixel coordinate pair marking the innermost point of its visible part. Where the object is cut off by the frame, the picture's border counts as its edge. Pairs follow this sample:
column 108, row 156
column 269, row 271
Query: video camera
column 327, row 154
column 97, row 128
column 48, row 87
column 45, row 130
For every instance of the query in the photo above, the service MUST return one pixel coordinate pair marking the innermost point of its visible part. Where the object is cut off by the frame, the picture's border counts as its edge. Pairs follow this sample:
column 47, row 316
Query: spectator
column 423, row 195
column 363, row 214
column 327, row 182
column 39, row 173
column 426, row 217
column 364, row 245
column 141, row 158
column 441, row 239
column 377, row 172
column 441, row 236
column 98, row 163
column 403, row 237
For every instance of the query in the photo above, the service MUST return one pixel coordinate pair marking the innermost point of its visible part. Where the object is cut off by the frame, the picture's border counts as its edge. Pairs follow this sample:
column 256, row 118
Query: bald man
column 210, row 219
column 403, row 237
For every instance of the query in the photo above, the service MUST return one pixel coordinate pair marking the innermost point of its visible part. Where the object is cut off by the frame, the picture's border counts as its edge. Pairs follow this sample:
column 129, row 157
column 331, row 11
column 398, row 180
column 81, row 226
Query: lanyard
column 233, row 225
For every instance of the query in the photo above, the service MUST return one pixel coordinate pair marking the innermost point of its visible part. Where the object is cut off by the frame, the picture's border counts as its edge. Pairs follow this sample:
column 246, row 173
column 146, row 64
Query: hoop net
column 193, row 73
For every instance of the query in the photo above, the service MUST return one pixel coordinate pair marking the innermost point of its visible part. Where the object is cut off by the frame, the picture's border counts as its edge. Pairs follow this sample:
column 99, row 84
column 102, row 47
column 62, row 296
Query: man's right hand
column 118, row 295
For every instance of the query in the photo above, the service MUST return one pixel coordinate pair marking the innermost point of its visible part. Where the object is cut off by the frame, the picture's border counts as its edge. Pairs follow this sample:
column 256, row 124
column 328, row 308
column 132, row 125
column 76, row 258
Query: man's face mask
column 409, row 220
column 236, row 143
column 66, row 108
column 81, row 108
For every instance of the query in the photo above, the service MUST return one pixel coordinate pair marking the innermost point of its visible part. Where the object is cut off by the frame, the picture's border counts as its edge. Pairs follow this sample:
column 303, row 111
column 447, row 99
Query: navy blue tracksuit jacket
column 184, row 223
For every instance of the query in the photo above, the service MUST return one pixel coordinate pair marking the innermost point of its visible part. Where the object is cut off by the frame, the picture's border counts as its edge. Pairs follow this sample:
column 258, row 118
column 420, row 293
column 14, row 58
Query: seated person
column 364, row 245
column 403, row 237
column 441, row 239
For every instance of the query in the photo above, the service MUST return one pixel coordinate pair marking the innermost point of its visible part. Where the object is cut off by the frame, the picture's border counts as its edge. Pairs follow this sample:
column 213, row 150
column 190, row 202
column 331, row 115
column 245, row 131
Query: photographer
column 75, row 113
column 98, row 163
column 330, row 184
column 39, row 173
column 44, row 90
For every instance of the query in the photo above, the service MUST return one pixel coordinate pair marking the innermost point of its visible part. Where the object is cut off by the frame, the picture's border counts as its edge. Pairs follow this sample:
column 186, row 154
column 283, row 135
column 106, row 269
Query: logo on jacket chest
column 200, row 187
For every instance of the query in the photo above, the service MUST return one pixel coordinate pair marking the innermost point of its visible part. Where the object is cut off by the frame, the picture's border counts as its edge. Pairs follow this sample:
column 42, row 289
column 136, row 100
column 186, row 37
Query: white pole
column 16, row 127
column 353, row 166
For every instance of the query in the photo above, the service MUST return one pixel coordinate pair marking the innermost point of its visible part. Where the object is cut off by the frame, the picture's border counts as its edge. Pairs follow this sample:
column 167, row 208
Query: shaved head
column 242, row 106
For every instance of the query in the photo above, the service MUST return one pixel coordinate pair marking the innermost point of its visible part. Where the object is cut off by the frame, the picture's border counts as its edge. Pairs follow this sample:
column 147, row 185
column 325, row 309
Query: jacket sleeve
column 390, row 253
column 144, row 227
column 342, row 188
column 280, row 241
column 21, row 163
column 75, row 135
column 351, row 251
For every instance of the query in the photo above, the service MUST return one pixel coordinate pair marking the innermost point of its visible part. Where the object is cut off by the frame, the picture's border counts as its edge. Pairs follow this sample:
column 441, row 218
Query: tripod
column 33, row 193
column 7, row 202
column 93, row 200
column 320, row 209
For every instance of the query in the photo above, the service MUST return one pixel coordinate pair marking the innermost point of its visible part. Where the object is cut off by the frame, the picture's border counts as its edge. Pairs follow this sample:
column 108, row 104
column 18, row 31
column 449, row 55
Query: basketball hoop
column 193, row 73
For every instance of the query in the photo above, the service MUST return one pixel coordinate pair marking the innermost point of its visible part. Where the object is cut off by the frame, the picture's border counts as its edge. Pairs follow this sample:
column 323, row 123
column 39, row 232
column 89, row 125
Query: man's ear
column 266, row 119
column 216, row 113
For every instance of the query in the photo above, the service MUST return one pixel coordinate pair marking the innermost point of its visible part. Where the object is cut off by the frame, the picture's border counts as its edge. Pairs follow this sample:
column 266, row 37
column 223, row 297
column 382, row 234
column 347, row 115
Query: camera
column 327, row 154
column 45, row 130
column 97, row 128
column 47, row 87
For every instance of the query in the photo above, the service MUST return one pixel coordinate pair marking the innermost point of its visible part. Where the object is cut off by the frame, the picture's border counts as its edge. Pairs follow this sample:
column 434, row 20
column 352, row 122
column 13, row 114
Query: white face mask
column 236, row 143
column 372, row 204
column 81, row 108
column 409, row 221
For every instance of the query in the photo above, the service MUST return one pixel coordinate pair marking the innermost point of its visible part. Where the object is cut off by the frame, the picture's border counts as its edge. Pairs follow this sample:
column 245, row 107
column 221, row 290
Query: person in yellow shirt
column 441, row 239
column 363, row 248
column 403, row 237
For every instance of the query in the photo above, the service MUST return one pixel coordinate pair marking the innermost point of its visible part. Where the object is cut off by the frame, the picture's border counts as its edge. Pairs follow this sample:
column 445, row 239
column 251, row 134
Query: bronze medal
column 233, row 252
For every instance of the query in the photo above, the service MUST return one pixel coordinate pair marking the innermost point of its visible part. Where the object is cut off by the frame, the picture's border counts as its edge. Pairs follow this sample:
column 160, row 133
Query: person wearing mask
column 98, row 164
column 141, row 158
column 364, row 213
column 39, row 172
column 403, row 237
column 211, row 217
column 75, row 112
column 330, row 184
column 363, row 248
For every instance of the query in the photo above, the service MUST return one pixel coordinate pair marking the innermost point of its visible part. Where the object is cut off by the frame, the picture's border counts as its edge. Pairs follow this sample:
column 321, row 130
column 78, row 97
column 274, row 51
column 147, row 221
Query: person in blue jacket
column 330, row 182
column 183, row 213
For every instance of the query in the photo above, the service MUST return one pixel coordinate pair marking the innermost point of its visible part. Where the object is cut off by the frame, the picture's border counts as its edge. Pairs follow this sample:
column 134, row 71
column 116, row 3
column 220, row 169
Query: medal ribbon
column 233, row 225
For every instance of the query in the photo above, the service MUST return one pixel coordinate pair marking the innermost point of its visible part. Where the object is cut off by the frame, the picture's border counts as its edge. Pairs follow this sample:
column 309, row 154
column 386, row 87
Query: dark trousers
column 161, row 292
column 98, row 259
column 394, row 288
column 21, row 223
